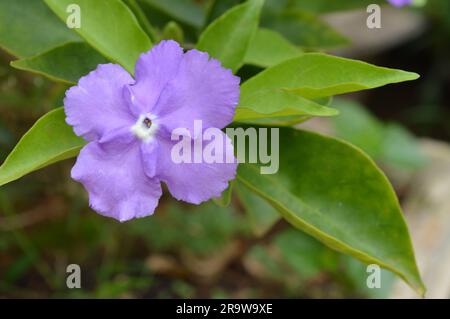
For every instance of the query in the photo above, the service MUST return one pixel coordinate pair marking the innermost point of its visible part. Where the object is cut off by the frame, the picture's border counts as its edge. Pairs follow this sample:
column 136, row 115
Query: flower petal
column 154, row 69
column 114, row 177
column 96, row 105
column 149, row 153
column 196, row 182
column 400, row 3
column 202, row 90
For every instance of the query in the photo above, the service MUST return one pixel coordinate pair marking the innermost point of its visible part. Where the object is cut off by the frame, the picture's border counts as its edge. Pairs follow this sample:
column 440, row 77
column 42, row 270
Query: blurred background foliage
column 245, row 249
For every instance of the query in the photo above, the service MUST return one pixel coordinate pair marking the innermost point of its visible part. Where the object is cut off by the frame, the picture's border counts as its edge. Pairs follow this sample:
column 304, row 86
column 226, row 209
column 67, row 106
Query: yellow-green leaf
column 49, row 140
column 228, row 37
column 334, row 192
column 110, row 27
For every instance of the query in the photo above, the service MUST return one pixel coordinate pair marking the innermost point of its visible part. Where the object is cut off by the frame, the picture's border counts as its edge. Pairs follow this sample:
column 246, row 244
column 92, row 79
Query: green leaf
column 228, row 37
column 284, row 110
column 218, row 7
column 334, row 192
column 287, row 88
column 66, row 63
column 389, row 143
column 268, row 48
column 303, row 29
column 401, row 148
column 186, row 11
column 357, row 126
column 28, row 27
column 316, row 75
column 277, row 104
column 173, row 31
column 110, row 27
column 356, row 274
column 143, row 19
column 49, row 140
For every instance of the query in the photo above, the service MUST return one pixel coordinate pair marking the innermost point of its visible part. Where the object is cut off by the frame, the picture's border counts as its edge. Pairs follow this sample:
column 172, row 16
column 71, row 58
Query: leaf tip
column 413, row 75
column 14, row 63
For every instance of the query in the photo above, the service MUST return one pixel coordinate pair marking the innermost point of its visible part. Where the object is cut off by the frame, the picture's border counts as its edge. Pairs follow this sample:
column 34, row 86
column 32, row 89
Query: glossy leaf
column 316, row 75
column 66, row 63
column 28, row 27
column 334, row 192
column 49, row 140
column 268, row 48
column 110, row 27
column 228, row 37
column 288, row 88
column 278, row 104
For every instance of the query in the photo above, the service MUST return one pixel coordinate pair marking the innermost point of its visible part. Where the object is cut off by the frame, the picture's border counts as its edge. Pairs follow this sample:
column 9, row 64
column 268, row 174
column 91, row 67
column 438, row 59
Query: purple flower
column 400, row 3
column 128, row 124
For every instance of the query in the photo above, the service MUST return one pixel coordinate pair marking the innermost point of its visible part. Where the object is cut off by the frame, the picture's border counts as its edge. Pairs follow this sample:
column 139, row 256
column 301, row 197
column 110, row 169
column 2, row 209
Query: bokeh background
column 243, row 250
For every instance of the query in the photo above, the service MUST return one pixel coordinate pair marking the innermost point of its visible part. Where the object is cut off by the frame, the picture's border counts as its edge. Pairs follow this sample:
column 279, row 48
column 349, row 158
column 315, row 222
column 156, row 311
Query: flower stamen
column 145, row 127
column 147, row 122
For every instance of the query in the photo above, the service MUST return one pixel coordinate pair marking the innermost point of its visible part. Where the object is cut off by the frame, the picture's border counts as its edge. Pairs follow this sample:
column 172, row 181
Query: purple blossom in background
column 400, row 3
column 128, row 124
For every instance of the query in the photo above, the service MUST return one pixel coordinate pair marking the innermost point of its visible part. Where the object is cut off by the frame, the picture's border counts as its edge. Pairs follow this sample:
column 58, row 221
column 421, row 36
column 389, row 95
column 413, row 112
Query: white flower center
column 145, row 127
